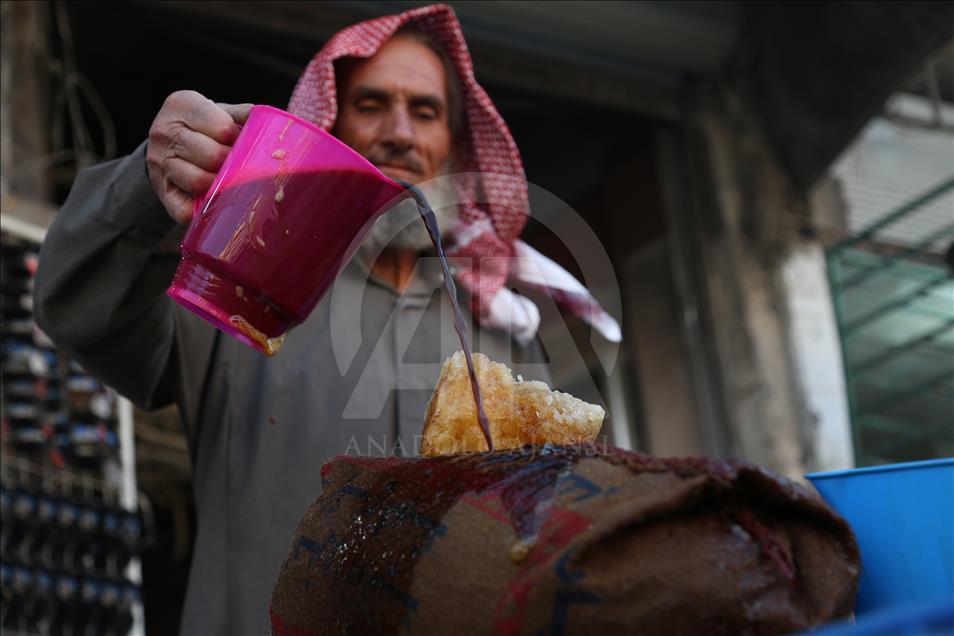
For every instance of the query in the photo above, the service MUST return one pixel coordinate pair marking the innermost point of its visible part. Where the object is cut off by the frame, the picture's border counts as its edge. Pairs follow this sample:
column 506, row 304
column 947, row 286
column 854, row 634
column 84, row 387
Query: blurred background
column 773, row 183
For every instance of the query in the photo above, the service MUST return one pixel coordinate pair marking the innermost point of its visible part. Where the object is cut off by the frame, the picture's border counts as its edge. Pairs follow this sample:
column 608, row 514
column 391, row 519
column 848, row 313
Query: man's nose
column 399, row 131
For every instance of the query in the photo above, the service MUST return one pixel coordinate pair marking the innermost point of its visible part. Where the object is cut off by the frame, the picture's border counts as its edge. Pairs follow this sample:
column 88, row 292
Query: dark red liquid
column 282, row 240
column 427, row 215
column 285, row 238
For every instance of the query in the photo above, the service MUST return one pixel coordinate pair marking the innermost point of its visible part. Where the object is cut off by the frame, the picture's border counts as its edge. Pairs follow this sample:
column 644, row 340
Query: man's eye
column 367, row 107
column 425, row 115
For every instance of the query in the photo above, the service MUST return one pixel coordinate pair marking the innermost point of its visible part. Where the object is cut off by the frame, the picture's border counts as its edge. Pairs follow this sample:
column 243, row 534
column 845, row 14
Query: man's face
column 393, row 110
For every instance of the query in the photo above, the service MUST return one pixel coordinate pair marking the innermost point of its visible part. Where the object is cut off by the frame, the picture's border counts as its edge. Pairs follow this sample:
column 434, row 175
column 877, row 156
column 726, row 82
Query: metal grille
column 895, row 310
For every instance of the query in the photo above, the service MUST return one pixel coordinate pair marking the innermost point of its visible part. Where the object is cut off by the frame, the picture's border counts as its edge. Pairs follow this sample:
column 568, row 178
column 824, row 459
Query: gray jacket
column 355, row 378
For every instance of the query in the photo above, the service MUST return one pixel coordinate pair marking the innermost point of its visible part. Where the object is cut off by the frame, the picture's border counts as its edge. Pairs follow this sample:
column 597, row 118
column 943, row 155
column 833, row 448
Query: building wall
column 817, row 353
column 24, row 107
column 670, row 426
column 747, row 217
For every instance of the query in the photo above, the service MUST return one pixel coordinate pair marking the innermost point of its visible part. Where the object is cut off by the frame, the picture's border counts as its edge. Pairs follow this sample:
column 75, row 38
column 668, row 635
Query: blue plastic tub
column 923, row 618
column 903, row 517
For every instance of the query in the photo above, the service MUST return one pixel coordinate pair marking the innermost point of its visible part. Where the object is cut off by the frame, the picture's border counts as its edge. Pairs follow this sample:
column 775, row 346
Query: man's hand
column 188, row 141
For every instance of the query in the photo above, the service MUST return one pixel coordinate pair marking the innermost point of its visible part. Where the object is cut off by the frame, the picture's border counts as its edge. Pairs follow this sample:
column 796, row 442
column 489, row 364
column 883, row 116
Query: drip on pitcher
column 270, row 346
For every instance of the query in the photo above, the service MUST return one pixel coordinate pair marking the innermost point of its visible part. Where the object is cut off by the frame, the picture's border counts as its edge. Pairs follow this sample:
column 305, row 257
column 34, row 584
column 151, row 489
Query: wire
column 81, row 138
column 76, row 86
column 105, row 119
column 73, row 88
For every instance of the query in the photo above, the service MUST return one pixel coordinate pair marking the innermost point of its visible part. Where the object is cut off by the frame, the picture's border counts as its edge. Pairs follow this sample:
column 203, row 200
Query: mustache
column 397, row 159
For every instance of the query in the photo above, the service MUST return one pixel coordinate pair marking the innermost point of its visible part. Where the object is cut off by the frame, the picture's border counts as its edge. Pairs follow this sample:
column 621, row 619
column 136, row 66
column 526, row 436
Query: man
column 400, row 91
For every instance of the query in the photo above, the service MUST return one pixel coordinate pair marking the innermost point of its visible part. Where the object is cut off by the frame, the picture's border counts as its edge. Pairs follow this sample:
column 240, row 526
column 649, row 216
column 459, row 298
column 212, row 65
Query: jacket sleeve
column 100, row 290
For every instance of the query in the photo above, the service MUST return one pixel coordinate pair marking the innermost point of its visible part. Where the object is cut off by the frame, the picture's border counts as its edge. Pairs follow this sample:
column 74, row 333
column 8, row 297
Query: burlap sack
column 563, row 541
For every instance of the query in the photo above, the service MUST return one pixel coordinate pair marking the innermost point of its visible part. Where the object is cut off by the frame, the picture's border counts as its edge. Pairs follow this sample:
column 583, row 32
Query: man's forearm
column 99, row 288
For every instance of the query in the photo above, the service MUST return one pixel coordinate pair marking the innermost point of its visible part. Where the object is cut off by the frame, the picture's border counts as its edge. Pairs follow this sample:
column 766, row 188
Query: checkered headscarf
column 495, row 205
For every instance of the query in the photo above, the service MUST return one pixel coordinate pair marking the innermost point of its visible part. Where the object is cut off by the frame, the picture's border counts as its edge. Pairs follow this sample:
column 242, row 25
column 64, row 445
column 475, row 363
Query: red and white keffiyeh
column 494, row 206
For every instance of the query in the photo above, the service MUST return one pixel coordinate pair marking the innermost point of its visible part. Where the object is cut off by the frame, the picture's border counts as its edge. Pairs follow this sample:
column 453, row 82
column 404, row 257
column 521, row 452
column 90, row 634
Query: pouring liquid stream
column 430, row 221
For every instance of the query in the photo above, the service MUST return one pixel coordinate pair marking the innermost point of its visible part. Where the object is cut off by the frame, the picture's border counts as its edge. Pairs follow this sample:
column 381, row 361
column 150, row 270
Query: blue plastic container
column 923, row 618
column 903, row 517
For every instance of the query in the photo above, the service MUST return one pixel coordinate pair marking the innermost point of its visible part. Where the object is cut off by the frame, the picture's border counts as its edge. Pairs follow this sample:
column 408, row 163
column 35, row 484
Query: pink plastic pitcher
column 286, row 211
